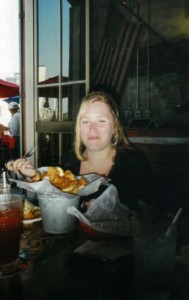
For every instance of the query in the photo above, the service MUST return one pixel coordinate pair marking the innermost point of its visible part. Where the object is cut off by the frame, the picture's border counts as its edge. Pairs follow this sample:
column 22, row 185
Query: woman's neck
column 93, row 156
column 98, row 161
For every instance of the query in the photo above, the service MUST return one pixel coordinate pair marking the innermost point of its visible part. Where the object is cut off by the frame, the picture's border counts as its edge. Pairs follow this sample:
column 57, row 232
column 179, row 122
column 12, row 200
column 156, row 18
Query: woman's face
column 96, row 127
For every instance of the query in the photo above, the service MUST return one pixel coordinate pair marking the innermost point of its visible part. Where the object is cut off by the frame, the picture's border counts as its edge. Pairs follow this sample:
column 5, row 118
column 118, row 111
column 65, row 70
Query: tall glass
column 154, row 252
column 10, row 230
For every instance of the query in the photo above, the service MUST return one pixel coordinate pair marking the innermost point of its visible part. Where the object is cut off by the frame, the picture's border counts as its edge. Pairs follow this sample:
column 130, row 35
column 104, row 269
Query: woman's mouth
column 93, row 138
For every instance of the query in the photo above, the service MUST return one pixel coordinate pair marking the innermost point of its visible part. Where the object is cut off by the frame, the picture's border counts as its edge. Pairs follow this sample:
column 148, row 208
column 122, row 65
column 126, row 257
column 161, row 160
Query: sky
column 49, row 36
column 9, row 38
column 9, row 47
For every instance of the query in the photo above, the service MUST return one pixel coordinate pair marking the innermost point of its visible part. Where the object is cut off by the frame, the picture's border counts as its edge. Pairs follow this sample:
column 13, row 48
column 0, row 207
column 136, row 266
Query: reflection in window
column 48, row 109
column 73, row 39
column 61, row 75
column 61, row 40
column 48, row 38
column 58, row 133
column 49, row 154
column 71, row 97
column 65, row 38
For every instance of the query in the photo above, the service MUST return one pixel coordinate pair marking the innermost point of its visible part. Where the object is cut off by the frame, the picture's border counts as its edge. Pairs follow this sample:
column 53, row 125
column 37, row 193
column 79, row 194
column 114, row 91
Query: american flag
column 112, row 67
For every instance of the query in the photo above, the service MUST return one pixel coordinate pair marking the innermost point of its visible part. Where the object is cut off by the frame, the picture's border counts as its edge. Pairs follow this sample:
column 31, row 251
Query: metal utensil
column 30, row 152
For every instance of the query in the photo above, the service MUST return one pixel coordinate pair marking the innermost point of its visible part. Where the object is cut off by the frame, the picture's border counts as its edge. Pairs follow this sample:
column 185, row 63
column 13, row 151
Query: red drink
column 10, row 227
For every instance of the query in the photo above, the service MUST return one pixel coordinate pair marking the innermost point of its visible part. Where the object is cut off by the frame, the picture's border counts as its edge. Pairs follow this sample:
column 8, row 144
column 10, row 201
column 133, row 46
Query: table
column 55, row 271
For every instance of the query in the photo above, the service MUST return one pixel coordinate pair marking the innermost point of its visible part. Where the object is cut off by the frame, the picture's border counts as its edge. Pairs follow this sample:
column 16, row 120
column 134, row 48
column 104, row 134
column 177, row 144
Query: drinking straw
column 4, row 180
column 169, row 230
column 177, row 215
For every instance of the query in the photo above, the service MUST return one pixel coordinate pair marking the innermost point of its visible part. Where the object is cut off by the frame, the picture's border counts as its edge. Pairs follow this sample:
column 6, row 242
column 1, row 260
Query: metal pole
column 137, row 109
column 21, row 77
column 147, row 110
column 87, row 41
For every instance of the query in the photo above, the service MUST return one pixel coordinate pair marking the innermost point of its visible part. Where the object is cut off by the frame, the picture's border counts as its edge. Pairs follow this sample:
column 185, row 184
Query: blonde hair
column 118, row 139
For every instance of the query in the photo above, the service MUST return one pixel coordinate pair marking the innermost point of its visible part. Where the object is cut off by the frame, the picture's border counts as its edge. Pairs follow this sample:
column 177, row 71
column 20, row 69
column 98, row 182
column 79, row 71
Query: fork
column 30, row 152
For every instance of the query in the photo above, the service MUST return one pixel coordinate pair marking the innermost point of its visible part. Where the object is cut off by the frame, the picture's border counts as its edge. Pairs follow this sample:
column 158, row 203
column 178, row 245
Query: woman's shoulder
column 131, row 158
column 130, row 152
column 131, row 166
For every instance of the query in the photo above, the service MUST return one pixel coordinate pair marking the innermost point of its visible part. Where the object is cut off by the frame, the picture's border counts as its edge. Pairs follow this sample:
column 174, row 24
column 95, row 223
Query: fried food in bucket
column 64, row 180
column 67, row 182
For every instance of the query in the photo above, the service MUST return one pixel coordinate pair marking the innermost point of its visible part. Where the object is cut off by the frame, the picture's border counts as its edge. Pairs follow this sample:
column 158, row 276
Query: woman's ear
column 113, row 139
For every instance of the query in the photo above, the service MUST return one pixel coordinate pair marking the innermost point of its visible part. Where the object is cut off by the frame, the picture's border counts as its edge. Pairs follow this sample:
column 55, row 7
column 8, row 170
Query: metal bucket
column 54, row 214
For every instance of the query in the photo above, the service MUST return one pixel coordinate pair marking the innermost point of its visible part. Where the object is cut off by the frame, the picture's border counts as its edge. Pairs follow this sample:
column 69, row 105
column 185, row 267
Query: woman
column 101, row 147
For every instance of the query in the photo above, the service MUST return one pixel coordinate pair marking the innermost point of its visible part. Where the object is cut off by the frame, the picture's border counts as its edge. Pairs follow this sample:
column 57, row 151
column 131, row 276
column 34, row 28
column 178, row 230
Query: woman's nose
column 93, row 126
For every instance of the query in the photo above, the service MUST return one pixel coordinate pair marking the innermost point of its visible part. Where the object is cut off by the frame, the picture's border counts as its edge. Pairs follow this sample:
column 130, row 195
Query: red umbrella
column 8, row 89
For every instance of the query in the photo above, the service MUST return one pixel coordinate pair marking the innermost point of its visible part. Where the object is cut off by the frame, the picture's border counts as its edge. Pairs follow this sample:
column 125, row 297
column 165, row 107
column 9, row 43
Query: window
column 60, row 75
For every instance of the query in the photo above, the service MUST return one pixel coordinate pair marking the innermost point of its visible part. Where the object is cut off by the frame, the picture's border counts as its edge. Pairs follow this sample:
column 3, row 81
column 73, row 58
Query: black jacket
column 130, row 174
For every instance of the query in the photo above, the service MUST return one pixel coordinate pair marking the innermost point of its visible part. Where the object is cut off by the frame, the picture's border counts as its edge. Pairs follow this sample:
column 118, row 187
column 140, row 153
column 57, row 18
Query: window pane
column 48, row 148
column 57, row 134
column 72, row 95
column 48, row 39
column 48, row 109
column 60, row 61
column 66, row 9
column 73, row 40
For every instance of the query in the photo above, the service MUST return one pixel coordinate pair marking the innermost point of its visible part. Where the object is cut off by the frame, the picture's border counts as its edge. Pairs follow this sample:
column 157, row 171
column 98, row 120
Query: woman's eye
column 84, row 122
column 102, row 121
